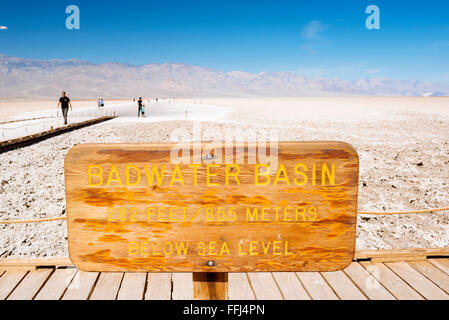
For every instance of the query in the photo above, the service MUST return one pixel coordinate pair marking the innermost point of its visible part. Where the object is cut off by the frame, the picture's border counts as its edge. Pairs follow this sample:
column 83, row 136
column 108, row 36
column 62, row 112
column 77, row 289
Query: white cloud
column 313, row 29
column 3, row 28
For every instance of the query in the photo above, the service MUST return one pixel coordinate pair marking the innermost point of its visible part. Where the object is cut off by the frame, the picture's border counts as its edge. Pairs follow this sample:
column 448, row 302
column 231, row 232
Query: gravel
column 404, row 166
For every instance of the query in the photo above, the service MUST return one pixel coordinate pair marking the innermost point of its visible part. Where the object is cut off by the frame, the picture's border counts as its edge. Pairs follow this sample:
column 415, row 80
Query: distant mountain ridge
column 27, row 78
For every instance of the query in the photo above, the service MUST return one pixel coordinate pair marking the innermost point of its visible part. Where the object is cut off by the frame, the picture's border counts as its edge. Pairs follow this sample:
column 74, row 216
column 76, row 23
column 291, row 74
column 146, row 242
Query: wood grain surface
column 134, row 207
column 210, row 286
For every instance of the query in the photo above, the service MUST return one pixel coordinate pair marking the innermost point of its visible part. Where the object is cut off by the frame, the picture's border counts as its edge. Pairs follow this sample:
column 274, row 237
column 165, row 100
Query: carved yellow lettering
column 265, row 174
column 241, row 253
column 253, row 248
column 232, row 170
column 282, row 170
column 160, row 215
column 251, row 216
column 314, row 174
column 277, row 248
column 330, row 175
column 173, row 214
column 277, row 213
column 181, row 248
column 143, row 248
column 287, row 253
column 154, row 252
column 209, row 175
column 133, row 248
column 128, row 175
column 224, row 249
column 98, row 175
column 266, row 248
column 150, row 212
column 115, row 179
column 195, row 173
column 313, row 212
column 201, row 248
column 301, row 173
column 176, row 172
column 209, row 214
column 286, row 213
column 155, row 172
column 168, row 248
column 264, row 213
column 212, row 247
column 300, row 211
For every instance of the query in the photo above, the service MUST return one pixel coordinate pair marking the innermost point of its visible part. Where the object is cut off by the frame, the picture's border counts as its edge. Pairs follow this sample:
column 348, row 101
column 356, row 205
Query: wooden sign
column 132, row 207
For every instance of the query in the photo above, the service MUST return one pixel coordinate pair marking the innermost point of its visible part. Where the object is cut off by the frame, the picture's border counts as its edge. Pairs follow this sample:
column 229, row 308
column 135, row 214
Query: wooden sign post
column 211, row 210
column 210, row 285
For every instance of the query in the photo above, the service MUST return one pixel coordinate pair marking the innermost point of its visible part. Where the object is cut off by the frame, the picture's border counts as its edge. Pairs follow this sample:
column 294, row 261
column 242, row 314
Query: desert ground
column 403, row 144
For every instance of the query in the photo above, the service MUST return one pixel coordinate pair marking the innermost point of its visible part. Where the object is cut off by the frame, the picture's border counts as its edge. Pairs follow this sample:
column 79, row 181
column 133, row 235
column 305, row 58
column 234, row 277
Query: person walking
column 65, row 103
column 98, row 103
column 139, row 106
column 102, row 103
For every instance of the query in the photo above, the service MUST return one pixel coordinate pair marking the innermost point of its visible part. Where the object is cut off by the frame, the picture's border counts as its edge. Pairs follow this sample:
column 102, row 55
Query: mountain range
column 27, row 78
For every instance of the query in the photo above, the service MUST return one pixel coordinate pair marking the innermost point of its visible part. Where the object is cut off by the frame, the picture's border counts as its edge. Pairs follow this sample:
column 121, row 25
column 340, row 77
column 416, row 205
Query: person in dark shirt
column 139, row 106
column 64, row 102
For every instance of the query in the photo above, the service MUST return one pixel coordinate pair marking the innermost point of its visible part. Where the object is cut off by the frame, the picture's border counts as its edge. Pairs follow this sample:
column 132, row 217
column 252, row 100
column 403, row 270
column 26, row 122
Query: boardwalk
column 418, row 280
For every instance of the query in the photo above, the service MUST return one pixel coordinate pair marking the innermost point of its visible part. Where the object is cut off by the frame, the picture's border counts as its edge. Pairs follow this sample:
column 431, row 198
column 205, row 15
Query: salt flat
column 10, row 110
column 22, row 121
column 403, row 144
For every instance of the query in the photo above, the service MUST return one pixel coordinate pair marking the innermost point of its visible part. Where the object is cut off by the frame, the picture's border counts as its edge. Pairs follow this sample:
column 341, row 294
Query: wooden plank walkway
column 366, row 280
column 21, row 142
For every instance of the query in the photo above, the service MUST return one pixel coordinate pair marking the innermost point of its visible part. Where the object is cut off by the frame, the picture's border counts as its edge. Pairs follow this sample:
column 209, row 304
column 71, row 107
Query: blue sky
column 314, row 38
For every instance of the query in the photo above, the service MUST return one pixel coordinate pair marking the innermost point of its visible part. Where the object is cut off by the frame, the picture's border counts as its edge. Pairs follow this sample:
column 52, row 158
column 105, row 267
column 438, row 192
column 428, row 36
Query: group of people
column 140, row 108
column 65, row 104
column 100, row 104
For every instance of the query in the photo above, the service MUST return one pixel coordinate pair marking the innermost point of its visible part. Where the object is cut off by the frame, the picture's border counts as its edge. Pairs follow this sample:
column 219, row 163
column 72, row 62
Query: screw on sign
column 130, row 209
